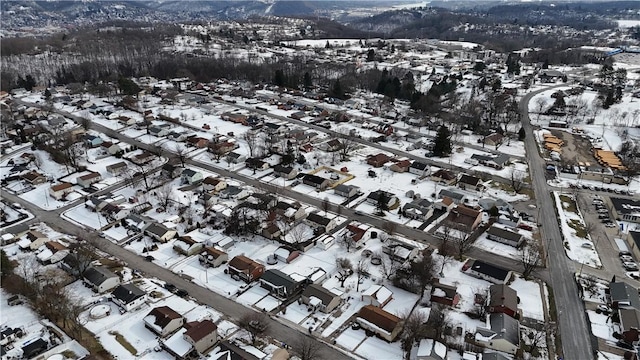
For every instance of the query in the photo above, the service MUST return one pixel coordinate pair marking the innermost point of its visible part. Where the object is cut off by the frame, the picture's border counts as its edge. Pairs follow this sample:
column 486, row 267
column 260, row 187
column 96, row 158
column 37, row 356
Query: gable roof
column 317, row 219
column 243, row 263
column 98, row 274
column 197, row 330
column 504, row 233
column 505, row 327
column 314, row 179
column 503, row 295
column 163, row 315
column 419, row 165
column 320, row 292
column 470, row 180
column 382, row 319
column 489, row 270
column 128, row 293
column 157, row 229
column 277, row 278
column 623, row 292
column 451, row 194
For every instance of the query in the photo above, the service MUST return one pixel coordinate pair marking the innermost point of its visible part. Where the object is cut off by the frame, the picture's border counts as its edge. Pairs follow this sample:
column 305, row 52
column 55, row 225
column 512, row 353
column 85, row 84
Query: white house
column 100, row 279
column 160, row 232
column 377, row 295
column 191, row 177
column 60, row 190
column 129, row 297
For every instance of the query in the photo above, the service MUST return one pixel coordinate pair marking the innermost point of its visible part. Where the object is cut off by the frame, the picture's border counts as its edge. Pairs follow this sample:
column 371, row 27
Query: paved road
column 374, row 120
column 575, row 333
column 400, row 153
column 227, row 307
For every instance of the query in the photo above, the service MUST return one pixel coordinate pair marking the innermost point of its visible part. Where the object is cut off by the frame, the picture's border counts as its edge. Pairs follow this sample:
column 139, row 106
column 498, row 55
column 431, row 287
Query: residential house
column 286, row 254
column 316, row 181
column 171, row 171
column 212, row 184
column 198, row 142
column 285, row 172
column 272, row 231
column 163, row 320
column 377, row 295
column 142, row 158
column 31, row 349
column 93, row 141
column 457, row 197
column 319, row 298
column 445, row 204
column 443, row 176
column 256, row 164
column 234, row 192
column 468, row 182
column 61, row 190
column 114, row 212
column 160, row 232
column 213, row 257
column 629, row 319
column 230, row 351
column 464, row 218
column 623, row 295
column 503, row 299
column 279, row 284
column 222, row 147
column 430, row 349
column 502, row 335
column 117, row 169
column 496, row 162
column 245, row 269
column 100, row 279
column 400, row 251
column 333, row 145
column 235, row 158
column 400, row 166
column 382, row 323
column 87, row 180
column 202, row 335
column 290, row 212
column 34, row 178
column 374, row 198
column 158, row 131
column 187, row 246
column 354, row 233
column 378, row 160
column 444, row 294
column 191, row 177
column 347, row 191
column 33, row 240
column 504, row 236
column 485, row 271
column 418, row 209
column 317, row 221
column 128, row 297
column 493, row 139
column 419, row 168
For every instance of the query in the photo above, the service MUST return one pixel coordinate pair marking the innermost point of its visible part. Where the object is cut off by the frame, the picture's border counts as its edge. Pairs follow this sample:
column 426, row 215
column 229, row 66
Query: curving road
column 574, row 330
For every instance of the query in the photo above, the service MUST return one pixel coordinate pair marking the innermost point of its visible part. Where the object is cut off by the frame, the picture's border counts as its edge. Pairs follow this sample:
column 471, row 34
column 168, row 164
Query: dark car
column 149, row 258
column 182, row 293
column 170, row 287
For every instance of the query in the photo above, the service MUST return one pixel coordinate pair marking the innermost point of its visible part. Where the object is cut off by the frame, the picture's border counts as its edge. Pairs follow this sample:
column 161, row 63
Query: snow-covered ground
column 575, row 246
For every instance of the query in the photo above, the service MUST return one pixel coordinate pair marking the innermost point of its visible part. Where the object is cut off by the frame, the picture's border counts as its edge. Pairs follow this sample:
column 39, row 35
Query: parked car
column 149, row 258
column 630, row 266
column 624, row 252
column 182, row 293
column 170, row 287
column 610, row 225
column 604, row 309
column 626, row 258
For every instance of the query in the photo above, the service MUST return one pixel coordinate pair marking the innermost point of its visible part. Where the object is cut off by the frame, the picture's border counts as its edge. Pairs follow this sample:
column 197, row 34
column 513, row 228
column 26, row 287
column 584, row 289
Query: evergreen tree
column 128, row 87
column 47, row 94
column 279, row 78
column 513, row 64
column 6, row 266
column 337, row 91
column 307, row 81
column 442, row 144
column 371, row 55
column 521, row 134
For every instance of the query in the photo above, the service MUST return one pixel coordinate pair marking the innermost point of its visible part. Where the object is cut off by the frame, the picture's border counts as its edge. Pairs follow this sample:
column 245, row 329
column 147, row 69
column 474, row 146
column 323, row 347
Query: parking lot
column 603, row 230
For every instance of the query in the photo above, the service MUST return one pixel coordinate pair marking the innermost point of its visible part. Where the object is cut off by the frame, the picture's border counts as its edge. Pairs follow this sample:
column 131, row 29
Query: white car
column 631, row 266
column 626, row 258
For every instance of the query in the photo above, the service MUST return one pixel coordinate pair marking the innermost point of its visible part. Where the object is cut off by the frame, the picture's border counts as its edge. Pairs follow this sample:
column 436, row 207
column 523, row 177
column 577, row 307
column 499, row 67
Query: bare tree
column 414, row 330
column 306, row 347
column 531, row 259
column 346, row 240
column 181, row 152
column 164, row 195
column 541, row 104
column 438, row 320
column 362, row 271
column 459, row 238
column 255, row 323
column 298, row 233
column 347, row 143
column 517, row 180
column 83, row 254
column 345, row 269
column 252, row 141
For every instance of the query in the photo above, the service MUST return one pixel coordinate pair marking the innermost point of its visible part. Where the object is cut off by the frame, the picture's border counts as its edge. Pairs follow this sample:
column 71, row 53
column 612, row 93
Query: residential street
column 574, row 329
